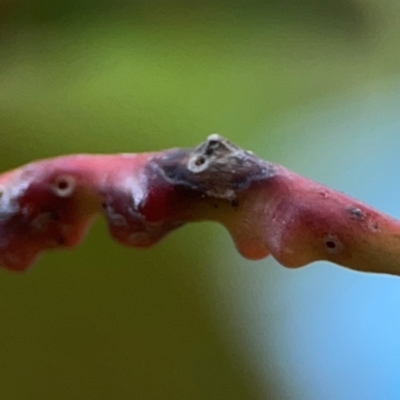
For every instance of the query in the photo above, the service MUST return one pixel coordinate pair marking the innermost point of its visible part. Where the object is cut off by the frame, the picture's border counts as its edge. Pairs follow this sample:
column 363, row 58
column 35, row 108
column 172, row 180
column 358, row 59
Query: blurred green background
column 188, row 319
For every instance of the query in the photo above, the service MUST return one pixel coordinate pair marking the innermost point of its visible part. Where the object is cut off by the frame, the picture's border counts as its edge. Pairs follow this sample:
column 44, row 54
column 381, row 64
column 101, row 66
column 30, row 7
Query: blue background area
column 332, row 333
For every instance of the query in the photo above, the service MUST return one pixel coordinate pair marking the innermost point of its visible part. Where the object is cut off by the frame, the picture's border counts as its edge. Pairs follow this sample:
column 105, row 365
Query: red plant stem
column 266, row 208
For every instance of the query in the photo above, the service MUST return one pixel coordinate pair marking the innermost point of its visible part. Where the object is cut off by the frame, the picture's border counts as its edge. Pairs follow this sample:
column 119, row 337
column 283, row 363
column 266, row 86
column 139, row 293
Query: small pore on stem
column 64, row 185
column 333, row 245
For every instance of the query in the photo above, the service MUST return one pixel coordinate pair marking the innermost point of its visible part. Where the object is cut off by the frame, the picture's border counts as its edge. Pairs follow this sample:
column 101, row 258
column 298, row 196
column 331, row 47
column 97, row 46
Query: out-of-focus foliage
column 107, row 76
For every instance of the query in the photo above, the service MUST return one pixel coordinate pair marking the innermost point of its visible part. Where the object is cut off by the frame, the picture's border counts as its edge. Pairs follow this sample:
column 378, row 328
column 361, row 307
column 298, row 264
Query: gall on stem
column 267, row 209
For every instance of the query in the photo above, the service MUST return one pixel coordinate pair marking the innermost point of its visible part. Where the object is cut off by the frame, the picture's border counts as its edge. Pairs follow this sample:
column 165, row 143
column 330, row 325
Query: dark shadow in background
column 347, row 15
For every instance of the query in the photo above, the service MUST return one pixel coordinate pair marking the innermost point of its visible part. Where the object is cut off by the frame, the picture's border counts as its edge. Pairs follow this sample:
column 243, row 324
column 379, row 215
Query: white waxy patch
column 9, row 196
column 137, row 187
column 64, row 186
